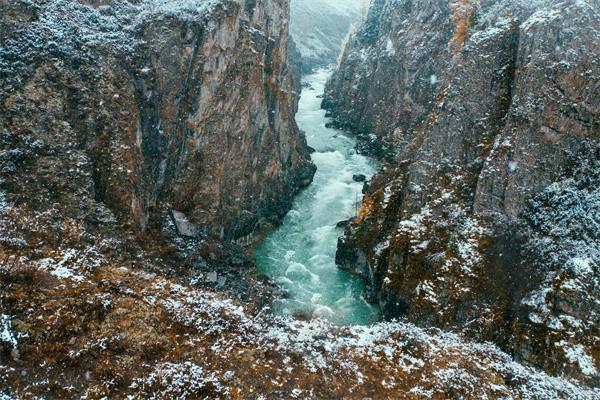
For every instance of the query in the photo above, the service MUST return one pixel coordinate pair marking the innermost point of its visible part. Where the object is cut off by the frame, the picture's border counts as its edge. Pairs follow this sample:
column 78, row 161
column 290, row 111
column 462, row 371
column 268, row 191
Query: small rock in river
column 343, row 224
column 359, row 178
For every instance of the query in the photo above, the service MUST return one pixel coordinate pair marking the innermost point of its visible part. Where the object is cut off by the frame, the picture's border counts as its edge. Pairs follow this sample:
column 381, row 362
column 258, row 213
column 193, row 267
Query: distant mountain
column 319, row 28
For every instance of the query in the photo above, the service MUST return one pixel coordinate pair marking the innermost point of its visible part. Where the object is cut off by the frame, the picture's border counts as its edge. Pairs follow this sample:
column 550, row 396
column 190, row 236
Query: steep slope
column 486, row 218
column 320, row 27
column 85, row 331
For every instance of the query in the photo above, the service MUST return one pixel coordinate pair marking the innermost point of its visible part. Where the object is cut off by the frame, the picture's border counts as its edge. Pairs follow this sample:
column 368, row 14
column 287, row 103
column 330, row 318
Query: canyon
column 165, row 232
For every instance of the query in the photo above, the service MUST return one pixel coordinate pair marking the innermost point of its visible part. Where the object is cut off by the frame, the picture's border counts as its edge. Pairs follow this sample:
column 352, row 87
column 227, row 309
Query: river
column 300, row 254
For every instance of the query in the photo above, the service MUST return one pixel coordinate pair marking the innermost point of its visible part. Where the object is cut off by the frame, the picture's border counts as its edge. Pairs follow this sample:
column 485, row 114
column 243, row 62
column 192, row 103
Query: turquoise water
column 300, row 255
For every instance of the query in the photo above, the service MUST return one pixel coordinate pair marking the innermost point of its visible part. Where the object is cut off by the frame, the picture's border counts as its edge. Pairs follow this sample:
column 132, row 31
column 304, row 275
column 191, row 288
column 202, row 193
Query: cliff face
column 148, row 107
column 485, row 219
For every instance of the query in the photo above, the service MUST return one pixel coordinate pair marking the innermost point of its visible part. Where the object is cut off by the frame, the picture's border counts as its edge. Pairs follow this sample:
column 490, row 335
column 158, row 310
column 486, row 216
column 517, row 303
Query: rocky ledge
column 486, row 217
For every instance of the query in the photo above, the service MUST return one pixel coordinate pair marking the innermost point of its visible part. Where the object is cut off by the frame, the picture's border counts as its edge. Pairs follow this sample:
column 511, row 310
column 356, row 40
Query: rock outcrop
column 486, row 218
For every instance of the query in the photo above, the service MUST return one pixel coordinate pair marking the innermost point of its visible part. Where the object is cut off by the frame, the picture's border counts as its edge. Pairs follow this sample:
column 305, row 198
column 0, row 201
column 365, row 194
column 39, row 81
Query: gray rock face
column 487, row 113
column 148, row 105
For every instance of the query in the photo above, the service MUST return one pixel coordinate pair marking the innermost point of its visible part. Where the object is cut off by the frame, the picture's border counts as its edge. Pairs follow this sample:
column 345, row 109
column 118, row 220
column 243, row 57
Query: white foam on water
column 284, row 281
column 300, row 255
column 296, row 270
column 322, row 311
column 289, row 255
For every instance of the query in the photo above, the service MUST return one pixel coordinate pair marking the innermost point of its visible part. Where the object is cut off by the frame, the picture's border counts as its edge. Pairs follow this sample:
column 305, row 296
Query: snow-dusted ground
column 223, row 346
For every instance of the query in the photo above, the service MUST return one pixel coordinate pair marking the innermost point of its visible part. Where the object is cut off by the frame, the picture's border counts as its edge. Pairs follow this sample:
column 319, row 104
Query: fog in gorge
column 320, row 27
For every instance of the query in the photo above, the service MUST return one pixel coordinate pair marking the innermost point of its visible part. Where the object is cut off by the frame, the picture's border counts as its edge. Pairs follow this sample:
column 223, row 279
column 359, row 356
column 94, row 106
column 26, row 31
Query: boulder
column 359, row 178
column 183, row 225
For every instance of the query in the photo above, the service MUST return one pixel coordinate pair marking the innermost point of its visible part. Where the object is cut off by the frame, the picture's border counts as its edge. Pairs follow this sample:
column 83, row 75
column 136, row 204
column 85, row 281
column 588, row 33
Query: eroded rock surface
column 486, row 218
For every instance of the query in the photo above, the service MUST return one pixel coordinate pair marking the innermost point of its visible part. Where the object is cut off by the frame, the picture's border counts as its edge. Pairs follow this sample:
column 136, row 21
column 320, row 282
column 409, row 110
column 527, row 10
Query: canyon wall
column 152, row 107
column 485, row 218
column 154, row 134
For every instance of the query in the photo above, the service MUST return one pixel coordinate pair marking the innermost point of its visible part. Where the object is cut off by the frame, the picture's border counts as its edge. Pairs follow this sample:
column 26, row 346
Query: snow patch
column 6, row 334
column 576, row 354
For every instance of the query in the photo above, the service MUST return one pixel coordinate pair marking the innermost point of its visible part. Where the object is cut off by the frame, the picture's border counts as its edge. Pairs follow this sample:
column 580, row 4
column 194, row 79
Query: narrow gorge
column 305, row 199
column 301, row 254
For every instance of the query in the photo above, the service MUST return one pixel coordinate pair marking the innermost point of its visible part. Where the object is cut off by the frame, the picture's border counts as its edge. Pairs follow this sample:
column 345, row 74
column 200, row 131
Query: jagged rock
column 343, row 224
column 479, row 109
column 212, row 277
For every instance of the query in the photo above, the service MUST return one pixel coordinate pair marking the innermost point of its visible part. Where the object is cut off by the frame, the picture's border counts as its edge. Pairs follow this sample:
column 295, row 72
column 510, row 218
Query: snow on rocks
column 576, row 354
column 6, row 333
column 3, row 201
column 223, row 347
column 415, row 224
column 178, row 381
column 179, row 8
column 113, row 28
column 72, row 264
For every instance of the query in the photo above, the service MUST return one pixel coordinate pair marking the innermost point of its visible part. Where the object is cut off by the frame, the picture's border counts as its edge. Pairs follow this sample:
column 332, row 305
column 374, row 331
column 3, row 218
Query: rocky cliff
column 486, row 218
column 151, row 107
column 159, row 135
